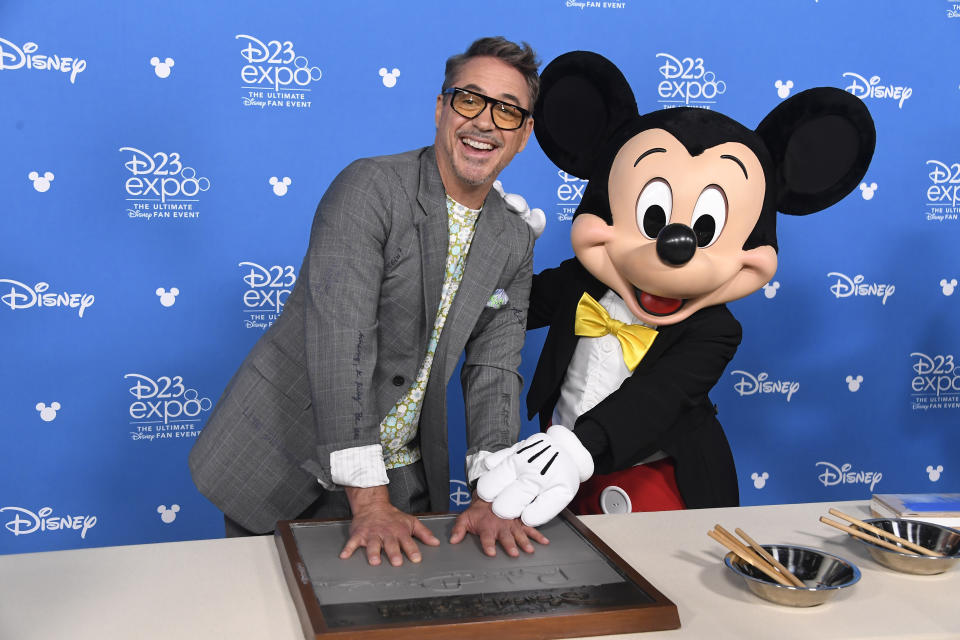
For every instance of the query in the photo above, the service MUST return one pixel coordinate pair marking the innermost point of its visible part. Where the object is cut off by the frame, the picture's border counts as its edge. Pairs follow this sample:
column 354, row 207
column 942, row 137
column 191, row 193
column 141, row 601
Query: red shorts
column 646, row 487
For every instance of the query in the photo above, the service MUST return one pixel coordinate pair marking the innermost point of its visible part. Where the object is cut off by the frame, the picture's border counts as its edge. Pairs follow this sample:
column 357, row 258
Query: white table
column 235, row 589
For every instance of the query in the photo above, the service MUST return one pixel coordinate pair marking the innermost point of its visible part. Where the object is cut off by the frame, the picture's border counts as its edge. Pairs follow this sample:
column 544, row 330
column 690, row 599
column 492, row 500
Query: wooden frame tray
column 575, row 586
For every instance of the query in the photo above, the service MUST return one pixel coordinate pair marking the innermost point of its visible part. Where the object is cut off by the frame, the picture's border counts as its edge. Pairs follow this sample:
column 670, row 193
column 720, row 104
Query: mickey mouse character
column 678, row 218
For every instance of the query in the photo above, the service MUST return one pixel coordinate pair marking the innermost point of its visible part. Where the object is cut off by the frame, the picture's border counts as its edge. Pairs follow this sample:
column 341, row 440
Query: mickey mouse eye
column 654, row 207
column 709, row 216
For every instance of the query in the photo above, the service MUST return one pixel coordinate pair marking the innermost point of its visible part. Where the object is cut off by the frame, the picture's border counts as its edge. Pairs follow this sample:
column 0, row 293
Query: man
column 340, row 408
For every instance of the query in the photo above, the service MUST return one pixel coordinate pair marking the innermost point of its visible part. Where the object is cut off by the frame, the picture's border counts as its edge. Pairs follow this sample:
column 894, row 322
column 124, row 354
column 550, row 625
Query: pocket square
column 498, row 299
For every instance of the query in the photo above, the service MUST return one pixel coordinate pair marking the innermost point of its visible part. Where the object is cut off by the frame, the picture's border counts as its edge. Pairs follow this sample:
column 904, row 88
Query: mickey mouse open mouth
column 658, row 305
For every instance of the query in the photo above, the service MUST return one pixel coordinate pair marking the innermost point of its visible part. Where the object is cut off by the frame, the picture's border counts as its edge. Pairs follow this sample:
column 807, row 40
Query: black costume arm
column 547, row 294
column 637, row 418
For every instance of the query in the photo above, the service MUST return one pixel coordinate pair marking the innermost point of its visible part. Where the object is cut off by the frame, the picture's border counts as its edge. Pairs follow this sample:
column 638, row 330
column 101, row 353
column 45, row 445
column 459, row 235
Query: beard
column 474, row 172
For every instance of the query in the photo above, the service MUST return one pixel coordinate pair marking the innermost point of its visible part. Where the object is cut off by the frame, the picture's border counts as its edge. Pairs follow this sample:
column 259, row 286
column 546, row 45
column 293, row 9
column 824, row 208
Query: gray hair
column 522, row 58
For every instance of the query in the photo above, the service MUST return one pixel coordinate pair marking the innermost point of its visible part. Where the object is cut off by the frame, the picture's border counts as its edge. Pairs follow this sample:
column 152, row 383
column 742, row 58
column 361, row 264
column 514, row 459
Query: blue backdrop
column 161, row 163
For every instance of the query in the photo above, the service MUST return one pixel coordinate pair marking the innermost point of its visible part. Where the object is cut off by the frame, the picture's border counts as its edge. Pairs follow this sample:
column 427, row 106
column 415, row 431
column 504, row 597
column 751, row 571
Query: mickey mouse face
column 679, row 226
column 680, row 208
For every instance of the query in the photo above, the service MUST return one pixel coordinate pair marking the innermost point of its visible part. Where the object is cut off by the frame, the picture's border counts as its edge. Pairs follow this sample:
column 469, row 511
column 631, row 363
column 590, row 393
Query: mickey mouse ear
column 584, row 99
column 821, row 141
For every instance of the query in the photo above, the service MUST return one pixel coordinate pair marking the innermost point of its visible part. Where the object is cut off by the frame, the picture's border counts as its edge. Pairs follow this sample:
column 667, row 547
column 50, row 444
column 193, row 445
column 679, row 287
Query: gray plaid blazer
column 352, row 337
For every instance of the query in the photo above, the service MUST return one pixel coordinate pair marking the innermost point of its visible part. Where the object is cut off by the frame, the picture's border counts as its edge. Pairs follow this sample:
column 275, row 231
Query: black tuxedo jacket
column 662, row 406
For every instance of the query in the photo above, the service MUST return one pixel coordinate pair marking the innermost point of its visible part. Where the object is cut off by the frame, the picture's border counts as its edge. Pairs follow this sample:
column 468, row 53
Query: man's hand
column 535, row 479
column 378, row 525
column 480, row 520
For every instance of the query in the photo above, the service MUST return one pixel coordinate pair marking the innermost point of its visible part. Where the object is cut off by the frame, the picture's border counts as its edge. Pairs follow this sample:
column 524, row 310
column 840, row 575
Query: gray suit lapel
column 485, row 262
column 433, row 234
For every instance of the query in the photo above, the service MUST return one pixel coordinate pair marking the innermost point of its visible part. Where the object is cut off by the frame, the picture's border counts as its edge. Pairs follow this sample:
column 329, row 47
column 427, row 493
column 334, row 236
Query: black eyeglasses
column 470, row 104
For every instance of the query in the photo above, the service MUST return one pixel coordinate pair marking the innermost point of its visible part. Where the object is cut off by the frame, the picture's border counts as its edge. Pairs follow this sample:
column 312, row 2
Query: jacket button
column 397, row 381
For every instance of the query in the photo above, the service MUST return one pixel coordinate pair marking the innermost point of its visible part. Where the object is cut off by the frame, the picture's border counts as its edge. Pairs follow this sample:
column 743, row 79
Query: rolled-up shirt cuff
column 357, row 467
column 475, row 466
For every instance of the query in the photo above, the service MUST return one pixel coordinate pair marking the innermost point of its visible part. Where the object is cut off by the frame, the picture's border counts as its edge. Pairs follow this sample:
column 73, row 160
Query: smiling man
column 340, row 408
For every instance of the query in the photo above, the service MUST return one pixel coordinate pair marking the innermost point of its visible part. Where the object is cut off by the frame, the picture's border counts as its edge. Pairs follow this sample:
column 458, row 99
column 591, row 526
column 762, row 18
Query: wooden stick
column 749, row 557
column 856, row 533
column 886, row 534
column 769, row 558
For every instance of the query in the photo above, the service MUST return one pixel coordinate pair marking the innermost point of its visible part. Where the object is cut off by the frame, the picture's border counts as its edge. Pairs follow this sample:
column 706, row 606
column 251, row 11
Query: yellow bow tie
column 593, row 321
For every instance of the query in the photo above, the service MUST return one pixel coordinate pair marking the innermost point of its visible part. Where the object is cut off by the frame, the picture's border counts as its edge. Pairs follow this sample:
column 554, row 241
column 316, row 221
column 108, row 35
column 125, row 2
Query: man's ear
column 583, row 100
column 821, row 142
column 439, row 109
column 527, row 130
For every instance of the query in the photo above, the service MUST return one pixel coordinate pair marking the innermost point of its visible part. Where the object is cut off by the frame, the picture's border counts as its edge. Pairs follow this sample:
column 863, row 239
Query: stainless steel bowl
column 932, row 536
column 823, row 573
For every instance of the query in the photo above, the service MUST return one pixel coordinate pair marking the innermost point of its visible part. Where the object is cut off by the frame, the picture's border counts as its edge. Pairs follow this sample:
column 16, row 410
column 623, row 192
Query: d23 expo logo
column 160, row 187
column 268, row 288
column 687, row 83
column 274, row 76
column 569, row 193
column 935, row 383
column 943, row 192
column 164, row 408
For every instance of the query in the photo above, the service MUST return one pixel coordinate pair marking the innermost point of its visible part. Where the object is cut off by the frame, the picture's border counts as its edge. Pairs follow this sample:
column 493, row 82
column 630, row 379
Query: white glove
column 535, row 479
column 516, row 203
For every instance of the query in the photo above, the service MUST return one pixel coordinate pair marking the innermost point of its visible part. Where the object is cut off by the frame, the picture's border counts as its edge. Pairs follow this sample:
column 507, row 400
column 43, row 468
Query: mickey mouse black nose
column 676, row 244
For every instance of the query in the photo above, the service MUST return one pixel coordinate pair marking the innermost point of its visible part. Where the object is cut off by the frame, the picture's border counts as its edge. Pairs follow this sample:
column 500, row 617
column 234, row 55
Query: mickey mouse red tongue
column 658, row 305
